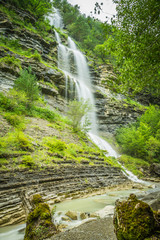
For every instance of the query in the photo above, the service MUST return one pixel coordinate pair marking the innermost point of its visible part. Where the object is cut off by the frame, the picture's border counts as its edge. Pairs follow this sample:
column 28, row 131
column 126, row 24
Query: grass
column 11, row 61
column 137, row 105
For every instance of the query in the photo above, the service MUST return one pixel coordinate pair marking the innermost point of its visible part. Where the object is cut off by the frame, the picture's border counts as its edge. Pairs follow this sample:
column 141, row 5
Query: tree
column 77, row 112
column 135, row 45
column 27, row 83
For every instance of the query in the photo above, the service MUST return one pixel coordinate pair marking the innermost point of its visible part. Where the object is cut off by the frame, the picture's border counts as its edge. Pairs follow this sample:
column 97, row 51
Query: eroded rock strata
column 54, row 184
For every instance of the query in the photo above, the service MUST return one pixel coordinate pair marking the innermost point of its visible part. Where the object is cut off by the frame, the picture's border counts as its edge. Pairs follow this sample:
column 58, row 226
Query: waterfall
column 74, row 65
column 55, row 19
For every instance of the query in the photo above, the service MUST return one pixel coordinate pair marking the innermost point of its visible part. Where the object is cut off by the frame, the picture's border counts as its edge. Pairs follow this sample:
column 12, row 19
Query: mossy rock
column 133, row 219
column 39, row 221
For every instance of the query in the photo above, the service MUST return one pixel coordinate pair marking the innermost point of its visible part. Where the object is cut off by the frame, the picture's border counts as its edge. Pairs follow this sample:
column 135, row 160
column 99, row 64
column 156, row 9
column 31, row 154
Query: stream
column 89, row 205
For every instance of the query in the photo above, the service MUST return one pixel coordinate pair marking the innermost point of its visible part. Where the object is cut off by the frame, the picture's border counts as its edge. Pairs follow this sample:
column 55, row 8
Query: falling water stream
column 74, row 65
column 78, row 85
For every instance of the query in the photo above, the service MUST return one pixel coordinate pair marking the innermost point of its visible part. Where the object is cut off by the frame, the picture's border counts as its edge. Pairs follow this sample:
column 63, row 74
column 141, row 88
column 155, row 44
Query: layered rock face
column 31, row 47
column 54, row 184
column 112, row 111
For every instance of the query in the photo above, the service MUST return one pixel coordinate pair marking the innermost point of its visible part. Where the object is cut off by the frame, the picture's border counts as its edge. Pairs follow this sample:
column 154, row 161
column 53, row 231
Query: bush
column 27, row 83
column 16, row 140
column 12, row 61
column 36, row 56
column 77, row 112
column 142, row 140
column 15, row 120
column 28, row 161
column 56, row 145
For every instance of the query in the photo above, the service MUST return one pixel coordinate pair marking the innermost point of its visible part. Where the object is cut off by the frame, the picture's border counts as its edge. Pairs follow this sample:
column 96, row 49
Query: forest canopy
column 135, row 45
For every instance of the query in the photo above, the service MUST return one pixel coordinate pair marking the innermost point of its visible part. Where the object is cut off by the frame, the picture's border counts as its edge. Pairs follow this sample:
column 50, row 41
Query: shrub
column 44, row 113
column 27, row 83
column 142, row 140
column 77, row 112
column 15, row 120
column 36, row 56
column 16, row 140
column 12, row 61
column 28, row 161
column 55, row 145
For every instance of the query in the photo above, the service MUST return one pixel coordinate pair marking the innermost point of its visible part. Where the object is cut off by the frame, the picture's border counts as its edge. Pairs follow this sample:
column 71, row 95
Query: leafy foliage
column 142, row 139
column 88, row 31
column 38, row 7
column 15, row 140
column 135, row 45
column 27, row 83
column 77, row 112
column 12, row 61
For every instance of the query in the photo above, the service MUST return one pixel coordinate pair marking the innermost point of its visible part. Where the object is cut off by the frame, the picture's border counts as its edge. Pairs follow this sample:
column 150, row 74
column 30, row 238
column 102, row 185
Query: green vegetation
column 87, row 31
column 11, row 61
column 27, row 84
column 136, row 165
column 133, row 219
column 77, row 113
column 142, row 139
column 38, row 8
column 39, row 220
column 15, row 120
column 15, row 141
column 134, row 46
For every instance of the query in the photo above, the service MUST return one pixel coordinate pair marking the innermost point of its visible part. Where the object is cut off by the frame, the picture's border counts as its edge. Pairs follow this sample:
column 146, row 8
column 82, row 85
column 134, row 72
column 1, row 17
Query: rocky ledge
column 54, row 184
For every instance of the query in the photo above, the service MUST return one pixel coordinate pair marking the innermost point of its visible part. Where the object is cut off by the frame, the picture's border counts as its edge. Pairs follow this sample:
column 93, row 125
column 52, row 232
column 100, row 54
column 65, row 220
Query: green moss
column 11, row 61
column 39, row 220
column 134, row 219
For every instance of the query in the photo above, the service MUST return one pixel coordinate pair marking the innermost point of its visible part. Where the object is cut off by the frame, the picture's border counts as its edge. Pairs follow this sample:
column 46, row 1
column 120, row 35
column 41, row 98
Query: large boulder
column 134, row 219
column 39, row 221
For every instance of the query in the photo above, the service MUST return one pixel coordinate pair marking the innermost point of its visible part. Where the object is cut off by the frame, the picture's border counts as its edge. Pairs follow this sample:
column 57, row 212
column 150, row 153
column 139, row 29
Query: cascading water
column 79, row 76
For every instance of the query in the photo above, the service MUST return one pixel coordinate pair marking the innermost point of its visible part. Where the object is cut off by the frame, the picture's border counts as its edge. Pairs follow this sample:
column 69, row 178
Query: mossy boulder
column 133, row 219
column 39, row 221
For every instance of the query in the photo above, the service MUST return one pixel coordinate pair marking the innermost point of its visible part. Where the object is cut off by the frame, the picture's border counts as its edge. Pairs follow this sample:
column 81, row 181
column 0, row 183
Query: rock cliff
column 41, row 55
column 54, row 184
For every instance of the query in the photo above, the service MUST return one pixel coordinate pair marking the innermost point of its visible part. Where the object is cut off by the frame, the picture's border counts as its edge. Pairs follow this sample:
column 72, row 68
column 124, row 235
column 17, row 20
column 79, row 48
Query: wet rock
column 133, row 219
column 106, row 211
column 155, row 169
column 39, row 221
column 66, row 219
column 83, row 216
column 72, row 215
column 153, row 199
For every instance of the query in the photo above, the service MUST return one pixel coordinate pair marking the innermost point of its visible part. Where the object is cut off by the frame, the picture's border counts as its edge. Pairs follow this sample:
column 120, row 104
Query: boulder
column 133, row 219
column 72, row 215
column 83, row 216
column 155, row 169
column 39, row 221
